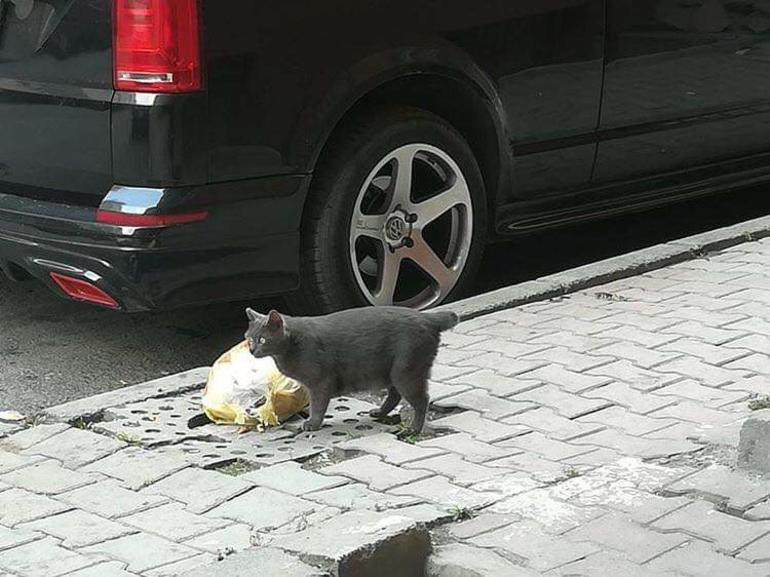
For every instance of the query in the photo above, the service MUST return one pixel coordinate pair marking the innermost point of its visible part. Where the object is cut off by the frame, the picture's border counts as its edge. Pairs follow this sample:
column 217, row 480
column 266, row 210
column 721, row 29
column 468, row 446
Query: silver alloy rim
column 415, row 199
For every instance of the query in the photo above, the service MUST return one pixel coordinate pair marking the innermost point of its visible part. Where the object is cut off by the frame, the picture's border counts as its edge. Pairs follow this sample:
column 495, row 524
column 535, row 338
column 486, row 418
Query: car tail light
column 149, row 220
column 157, row 46
column 81, row 290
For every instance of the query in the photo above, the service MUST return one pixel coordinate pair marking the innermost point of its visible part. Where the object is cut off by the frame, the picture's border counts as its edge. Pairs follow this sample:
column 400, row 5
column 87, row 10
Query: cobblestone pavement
column 591, row 435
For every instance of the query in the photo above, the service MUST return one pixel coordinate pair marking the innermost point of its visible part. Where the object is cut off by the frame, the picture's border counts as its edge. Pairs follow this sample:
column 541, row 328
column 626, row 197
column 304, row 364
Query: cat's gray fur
column 355, row 350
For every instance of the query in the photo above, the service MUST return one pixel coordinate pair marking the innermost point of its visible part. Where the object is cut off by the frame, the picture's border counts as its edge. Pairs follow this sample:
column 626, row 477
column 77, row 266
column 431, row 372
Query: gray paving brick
column 651, row 322
column 484, row 522
column 548, row 448
column 425, row 513
column 48, row 478
column 533, row 464
column 485, row 430
column 459, row 340
column 43, row 558
column 136, row 467
column 109, row 499
column 698, row 559
column 499, row 363
column 359, row 496
column 78, row 528
column 566, row 404
column 756, row 363
column 270, row 561
column 605, row 564
column 371, row 470
column 460, row 471
column 444, row 373
column 758, row 551
column 440, row 391
column 10, row 538
column 510, row 331
column 640, row 506
column 291, row 478
column 709, row 353
column 639, row 355
column 265, row 509
column 637, row 543
column 630, row 398
column 554, row 516
column 469, row 448
column 107, row 569
column 706, row 333
column 642, row 379
column 32, row 435
column 11, row 461
column 18, row 506
column 720, row 482
column 626, row 421
column 708, row 374
column 566, row 379
column 574, row 361
column 236, row 537
column 173, row 522
column 142, row 551
column 183, row 566
column 507, row 485
column 574, row 342
column 200, row 490
column 639, row 336
column 752, row 325
column 466, row 560
column 693, row 390
column 575, row 325
column 390, row 448
column 440, row 490
column 554, row 425
column 528, row 541
column 450, row 356
column 700, row 519
column 757, row 343
column 496, row 384
column 759, row 512
column 758, row 385
column 489, row 406
column 513, row 349
column 646, row 448
column 596, row 458
column 75, row 447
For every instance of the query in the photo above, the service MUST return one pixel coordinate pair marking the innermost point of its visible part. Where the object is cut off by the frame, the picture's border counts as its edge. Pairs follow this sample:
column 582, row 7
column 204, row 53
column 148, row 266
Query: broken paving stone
column 291, row 478
column 266, row 561
column 754, row 446
column 460, row 560
column 358, row 496
column 554, row 516
column 364, row 544
column 265, row 509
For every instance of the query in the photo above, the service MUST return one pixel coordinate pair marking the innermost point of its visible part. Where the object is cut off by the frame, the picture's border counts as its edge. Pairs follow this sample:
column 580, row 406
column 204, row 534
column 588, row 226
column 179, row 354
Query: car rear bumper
column 247, row 246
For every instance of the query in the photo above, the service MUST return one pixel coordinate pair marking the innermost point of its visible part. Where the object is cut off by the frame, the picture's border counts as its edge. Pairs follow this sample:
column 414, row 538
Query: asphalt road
column 52, row 350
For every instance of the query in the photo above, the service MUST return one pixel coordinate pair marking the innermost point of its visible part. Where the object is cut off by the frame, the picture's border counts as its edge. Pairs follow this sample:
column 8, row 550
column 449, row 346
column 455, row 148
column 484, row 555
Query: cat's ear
column 275, row 321
column 253, row 315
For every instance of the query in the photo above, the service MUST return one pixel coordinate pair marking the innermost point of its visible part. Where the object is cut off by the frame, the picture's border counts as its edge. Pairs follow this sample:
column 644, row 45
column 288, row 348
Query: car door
column 687, row 84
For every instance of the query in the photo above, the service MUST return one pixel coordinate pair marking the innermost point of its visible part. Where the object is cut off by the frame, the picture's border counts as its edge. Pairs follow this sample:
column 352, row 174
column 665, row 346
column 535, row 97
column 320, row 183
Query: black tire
column 327, row 280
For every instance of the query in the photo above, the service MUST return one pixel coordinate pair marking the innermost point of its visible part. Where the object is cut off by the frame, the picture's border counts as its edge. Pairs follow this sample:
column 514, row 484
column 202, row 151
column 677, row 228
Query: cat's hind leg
column 416, row 394
column 320, row 396
column 390, row 402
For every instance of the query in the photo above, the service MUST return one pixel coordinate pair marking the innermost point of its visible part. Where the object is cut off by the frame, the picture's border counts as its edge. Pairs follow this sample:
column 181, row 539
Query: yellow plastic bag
column 238, row 381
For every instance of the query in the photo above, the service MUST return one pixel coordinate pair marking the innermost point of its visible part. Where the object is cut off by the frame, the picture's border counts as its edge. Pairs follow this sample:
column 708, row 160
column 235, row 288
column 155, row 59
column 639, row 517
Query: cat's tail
column 443, row 320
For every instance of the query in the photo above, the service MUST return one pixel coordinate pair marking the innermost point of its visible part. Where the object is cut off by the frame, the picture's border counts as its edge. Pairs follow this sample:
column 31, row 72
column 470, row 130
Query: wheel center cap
column 395, row 228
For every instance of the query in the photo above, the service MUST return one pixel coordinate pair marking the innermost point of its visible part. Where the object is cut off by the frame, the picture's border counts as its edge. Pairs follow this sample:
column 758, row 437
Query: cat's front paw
column 310, row 426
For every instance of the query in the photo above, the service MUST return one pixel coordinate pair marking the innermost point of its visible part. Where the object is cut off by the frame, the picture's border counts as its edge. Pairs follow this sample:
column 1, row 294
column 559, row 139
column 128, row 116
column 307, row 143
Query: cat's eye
column 262, row 340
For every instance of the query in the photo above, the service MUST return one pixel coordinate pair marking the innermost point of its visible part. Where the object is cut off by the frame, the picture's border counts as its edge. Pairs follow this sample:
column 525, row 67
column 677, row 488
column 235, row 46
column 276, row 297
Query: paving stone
column 571, row 364
column 460, row 560
column 183, row 566
column 554, row 425
column 484, row 522
column 427, row 514
column 364, row 544
column 489, row 406
column 575, row 325
column 453, row 339
column 291, row 478
column 528, row 541
column 32, row 435
column 637, row 543
column 564, row 378
column 702, row 520
column 705, row 333
column 374, row 472
column 11, row 461
column 460, row 471
column 109, row 499
column 236, row 537
column 442, row 373
column 574, row 342
column 739, row 489
column 626, row 421
column 18, row 506
column 269, row 561
column 439, row 391
column 595, row 458
column 606, row 564
column 711, row 424
column 173, row 522
column 539, row 468
column 469, row 448
column 48, row 478
column 136, row 467
column 638, row 354
column 199, row 489
column 357, row 496
column 509, row 331
column 497, row 384
column 142, row 551
column 108, row 569
column 641, row 379
column 484, row 430
column 390, row 448
column 652, row 322
column 10, row 538
column 301, row 523
column 756, row 386
column 548, row 448
column 646, row 448
column 756, row 363
column 758, row 551
column 451, row 356
column 439, row 490
column 707, row 374
column 566, row 404
column 553, row 515
column 43, row 558
column 751, row 325
column 507, row 485
column 630, row 398
column 757, row 343
column 698, row 559
column 709, row 353
column 760, row 512
column 265, row 509
column 75, row 447
column 709, row 396
column 638, row 336
column 640, row 506
column 507, row 348
column 78, row 528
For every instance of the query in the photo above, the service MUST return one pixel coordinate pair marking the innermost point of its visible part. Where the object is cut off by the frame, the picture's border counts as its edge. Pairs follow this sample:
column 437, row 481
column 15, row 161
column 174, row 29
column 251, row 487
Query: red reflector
column 157, row 46
column 81, row 290
column 149, row 220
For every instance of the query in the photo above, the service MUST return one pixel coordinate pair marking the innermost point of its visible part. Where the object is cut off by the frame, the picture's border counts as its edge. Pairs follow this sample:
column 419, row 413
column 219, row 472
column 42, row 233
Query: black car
column 159, row 153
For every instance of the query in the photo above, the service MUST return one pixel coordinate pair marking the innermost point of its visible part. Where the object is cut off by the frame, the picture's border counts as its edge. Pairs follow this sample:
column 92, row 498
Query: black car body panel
column 575, row 109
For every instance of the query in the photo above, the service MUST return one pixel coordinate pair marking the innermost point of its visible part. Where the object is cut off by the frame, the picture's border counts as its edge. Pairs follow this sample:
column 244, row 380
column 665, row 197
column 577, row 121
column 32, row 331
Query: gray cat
column 354, row 350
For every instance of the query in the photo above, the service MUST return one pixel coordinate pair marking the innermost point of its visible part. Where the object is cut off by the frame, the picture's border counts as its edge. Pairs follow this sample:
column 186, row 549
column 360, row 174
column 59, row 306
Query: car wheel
column 396, row 216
